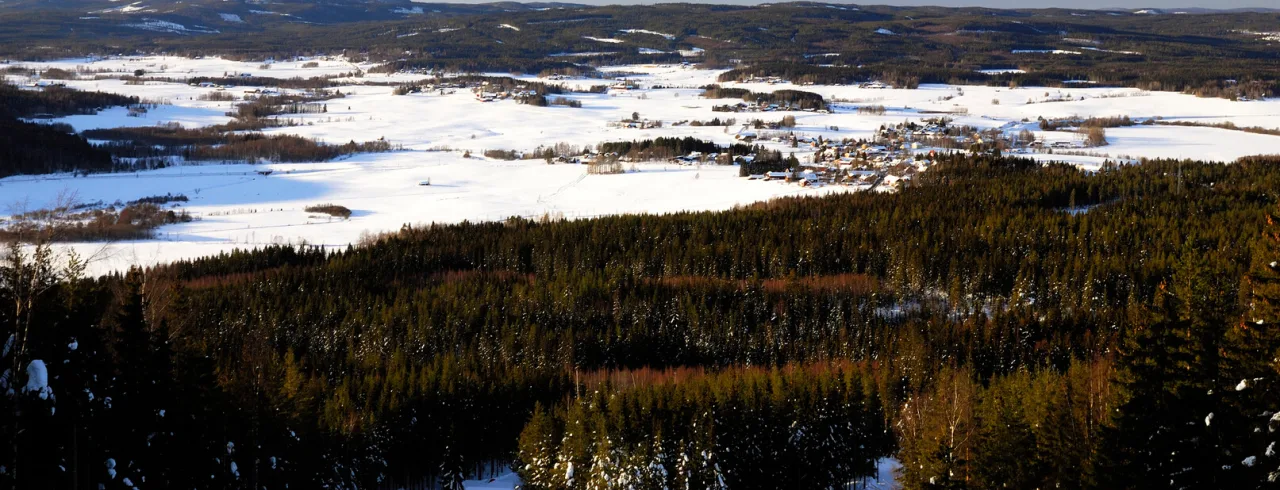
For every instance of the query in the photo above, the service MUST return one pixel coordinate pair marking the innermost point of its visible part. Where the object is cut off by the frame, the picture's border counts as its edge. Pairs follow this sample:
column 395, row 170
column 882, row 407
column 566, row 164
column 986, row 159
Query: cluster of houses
column 225, row 85
column 635, row 124
column 442, row 88
column 867, row 164
column 698, row 158
column 925, row 130
column 1057, row 145
column 880, row 164
column 485, row 93
column 821, row 176
column 766, row 106
column 263, row 91
column 769, row 80
column 939, row 133
column 46, row 83
column 623, row 85
column 810, row 176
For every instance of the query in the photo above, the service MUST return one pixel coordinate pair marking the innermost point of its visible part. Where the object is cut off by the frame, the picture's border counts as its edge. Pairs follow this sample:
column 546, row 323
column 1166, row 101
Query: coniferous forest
column 999, row 323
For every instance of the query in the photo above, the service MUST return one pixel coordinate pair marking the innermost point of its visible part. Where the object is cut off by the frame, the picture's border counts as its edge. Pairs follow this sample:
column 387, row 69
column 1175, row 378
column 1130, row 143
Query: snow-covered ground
column 508, row 481
column 885, row 479
column 239, row 208
column 886, row 476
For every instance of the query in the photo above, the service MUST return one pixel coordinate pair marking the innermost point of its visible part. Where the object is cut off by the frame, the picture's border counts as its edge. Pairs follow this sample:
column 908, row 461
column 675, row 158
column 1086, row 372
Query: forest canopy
column 999, row 321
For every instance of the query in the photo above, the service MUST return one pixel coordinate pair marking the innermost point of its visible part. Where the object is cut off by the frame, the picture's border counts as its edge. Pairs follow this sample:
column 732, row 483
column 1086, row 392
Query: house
column 776, row 175
column 624, row 85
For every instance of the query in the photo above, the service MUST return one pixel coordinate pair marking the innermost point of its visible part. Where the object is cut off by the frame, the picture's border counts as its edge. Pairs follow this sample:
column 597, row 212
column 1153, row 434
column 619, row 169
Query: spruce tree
column 1165, row 431
column 1252, row 364
column 537, row 449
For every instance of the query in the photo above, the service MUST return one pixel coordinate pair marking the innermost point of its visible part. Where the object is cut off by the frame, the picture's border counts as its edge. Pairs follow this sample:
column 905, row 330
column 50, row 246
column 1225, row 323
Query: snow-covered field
column 239, row 208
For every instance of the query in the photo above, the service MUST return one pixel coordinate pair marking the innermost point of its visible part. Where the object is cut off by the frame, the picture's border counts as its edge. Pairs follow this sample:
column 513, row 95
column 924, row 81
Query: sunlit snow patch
column 645, row 31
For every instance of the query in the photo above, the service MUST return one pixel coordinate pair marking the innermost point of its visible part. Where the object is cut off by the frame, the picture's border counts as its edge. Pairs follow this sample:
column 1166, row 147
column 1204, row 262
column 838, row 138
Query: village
column 886, row 161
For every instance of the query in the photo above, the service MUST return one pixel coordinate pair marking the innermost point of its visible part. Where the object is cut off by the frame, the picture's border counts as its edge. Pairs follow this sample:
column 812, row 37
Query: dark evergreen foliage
column 31, row 148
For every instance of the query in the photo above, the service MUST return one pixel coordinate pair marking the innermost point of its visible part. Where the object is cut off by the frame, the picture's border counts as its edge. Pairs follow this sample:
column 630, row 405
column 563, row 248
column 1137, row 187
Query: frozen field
column 238, row 208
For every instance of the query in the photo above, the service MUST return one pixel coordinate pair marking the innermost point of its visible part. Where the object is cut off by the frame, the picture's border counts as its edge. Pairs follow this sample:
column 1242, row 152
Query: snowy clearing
column 669, row 37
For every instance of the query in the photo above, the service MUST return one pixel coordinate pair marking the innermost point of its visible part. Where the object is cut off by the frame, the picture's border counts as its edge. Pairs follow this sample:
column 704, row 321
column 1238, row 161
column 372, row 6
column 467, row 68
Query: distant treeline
column 134, row 221
column 795, row 98
column 311, row 83
column 805, row 42
column 1189, row 78
column 664, row 147
column 1091, row 122
column 801, row 73
column 768, row 161
column 28, row 148
column 55, row 101
column 212, row 143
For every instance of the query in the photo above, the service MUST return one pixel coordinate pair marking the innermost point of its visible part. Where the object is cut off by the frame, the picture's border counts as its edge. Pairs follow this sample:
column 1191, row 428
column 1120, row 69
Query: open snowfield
column 237, row 208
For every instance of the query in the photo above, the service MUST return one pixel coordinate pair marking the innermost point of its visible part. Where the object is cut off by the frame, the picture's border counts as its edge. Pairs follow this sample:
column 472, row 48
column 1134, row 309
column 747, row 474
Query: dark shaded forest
column 32, row 148
column 29, row 148
column 55, row 101
column 999, row 322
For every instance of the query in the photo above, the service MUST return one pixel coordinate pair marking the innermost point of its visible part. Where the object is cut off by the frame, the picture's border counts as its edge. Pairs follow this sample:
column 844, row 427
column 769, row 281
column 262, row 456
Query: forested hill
column 996, row 324
column 1201, row 52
